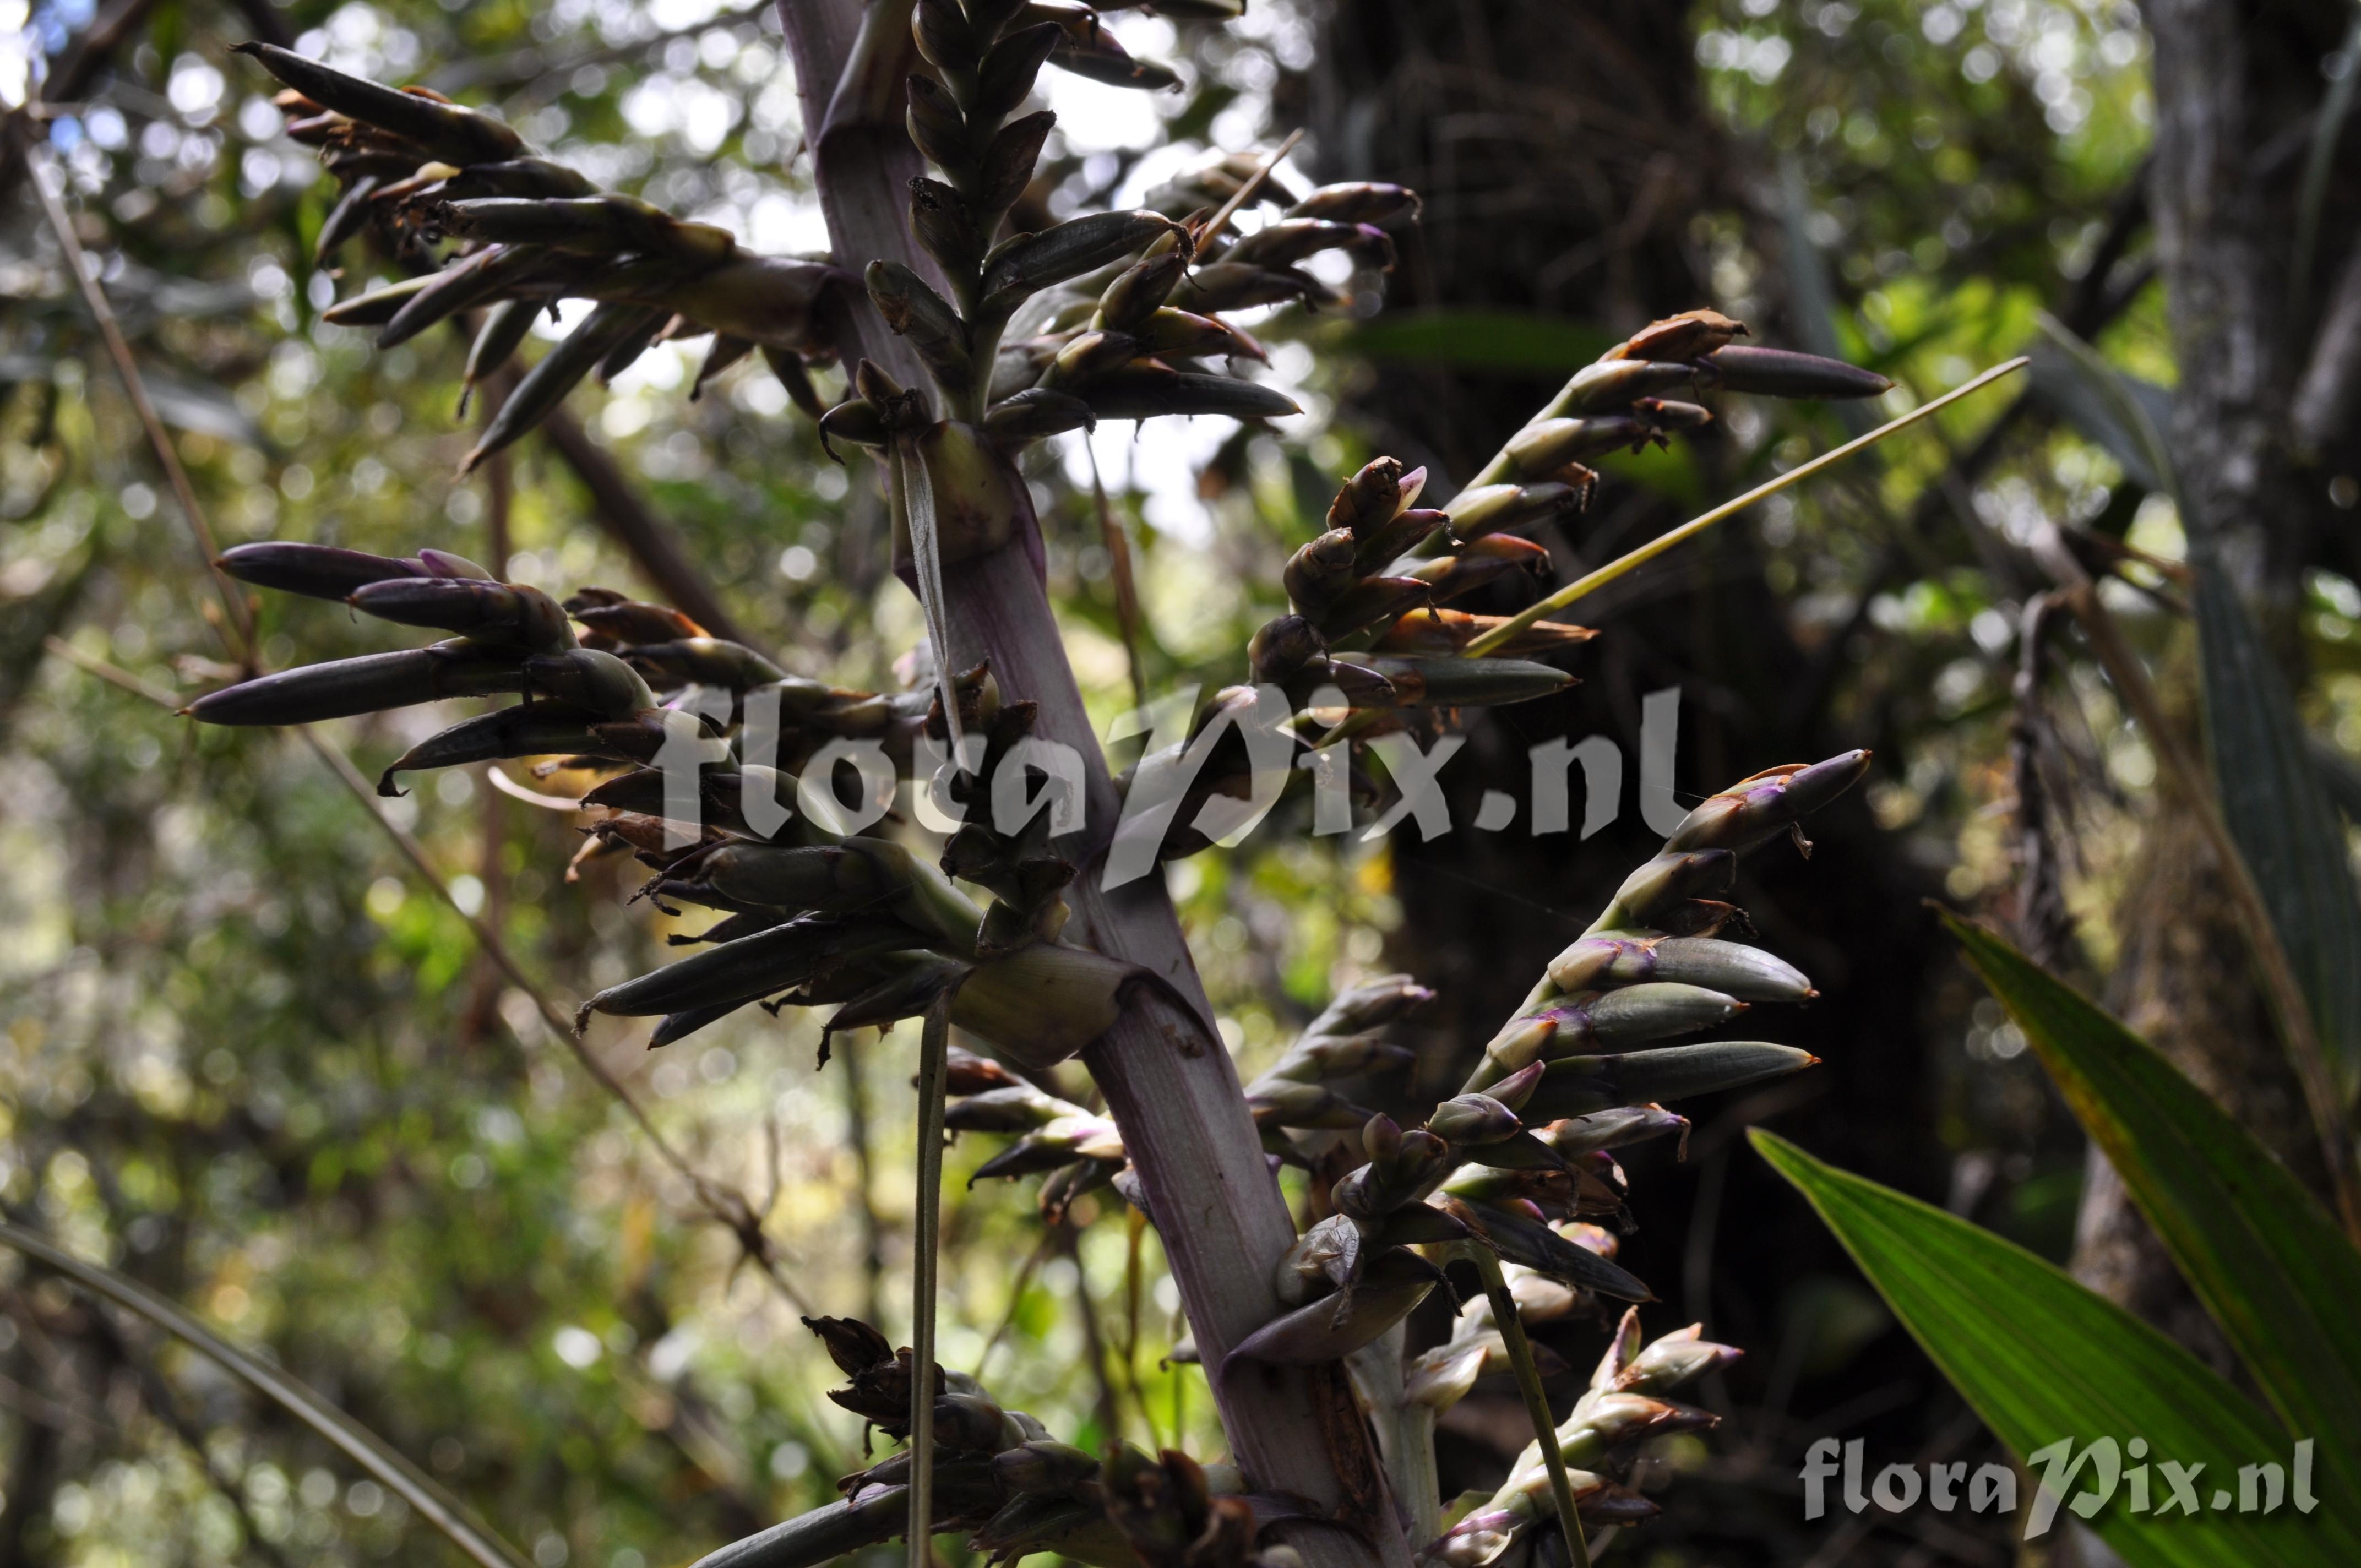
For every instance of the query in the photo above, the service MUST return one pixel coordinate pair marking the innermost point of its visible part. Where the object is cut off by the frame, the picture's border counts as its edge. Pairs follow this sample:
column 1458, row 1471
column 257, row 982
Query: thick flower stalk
column 1520, row 1164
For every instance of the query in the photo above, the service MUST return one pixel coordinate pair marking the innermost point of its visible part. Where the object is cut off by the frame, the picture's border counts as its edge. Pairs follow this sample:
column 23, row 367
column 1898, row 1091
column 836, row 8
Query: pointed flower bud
column 1501, row 509
column 1678, row 1358
column 1381, row 1000
column 1444, row 1375
column 1612, row 384
column 1621, row 1348
column 1015, row 1108
column 1651, row 1011
column 1517, row 1087
column 1755, row 810
column 1465, row 683
column 1547, row 445
column 319, row 571
column 1470, row 1120
column 969, row 1074
column 1359, row 203
column 1345, row 1055
column 1781, row 373
column 369, row 684
column 755, row 966
column 1144, row 390
column 1027, row 264
column 1520, row 1043
column 1613, row 1129
column 442, row 128
column 1139, row 291
column 1036, row 412
column 1283, row 1103
column 1673, row 877
column 1748, row 974
column 1603, row 1423
column 1478, row 563
column 1380, row 547
column 499, row 612
column 1578, row 1086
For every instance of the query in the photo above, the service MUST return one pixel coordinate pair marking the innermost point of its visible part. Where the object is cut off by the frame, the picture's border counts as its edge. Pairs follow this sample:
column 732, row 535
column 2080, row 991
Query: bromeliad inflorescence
column 713, row 766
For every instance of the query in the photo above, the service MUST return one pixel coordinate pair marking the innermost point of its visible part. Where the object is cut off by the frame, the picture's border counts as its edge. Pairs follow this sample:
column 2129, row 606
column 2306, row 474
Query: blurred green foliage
column 251, row 1060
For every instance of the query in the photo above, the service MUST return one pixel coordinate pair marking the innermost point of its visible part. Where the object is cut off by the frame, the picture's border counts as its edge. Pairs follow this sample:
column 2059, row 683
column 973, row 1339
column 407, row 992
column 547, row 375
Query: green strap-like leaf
column 2267, row 1259
column 2042, row 1359
column 2279, row 813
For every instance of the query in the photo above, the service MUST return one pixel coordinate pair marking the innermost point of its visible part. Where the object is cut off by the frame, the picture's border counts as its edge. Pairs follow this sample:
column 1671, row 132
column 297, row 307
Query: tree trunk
column 2223, row 84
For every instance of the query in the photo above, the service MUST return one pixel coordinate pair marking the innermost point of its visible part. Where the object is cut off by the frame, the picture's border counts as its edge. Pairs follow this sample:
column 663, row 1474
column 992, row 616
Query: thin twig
column 1135, row 1230
column 1024, row 1273
column 113, row 674
column 1632, row 559
column 864, row 1176
column 239, row 633
column 1106, row 1407
column 396, row 1473
column 1529, row 1383
column 165, row 1405
column 29, row 1404
column 727, row 1205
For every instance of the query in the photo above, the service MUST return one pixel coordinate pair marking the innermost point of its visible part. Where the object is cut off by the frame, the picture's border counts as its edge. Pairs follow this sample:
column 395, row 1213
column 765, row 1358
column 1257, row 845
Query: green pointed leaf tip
column 2042, row 1359
column 2264, row 1255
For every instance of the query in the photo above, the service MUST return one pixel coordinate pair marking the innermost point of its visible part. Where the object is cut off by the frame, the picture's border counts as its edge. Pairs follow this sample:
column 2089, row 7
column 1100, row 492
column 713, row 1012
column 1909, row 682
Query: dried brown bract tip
column 880, row 1388
column 1684, row 337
